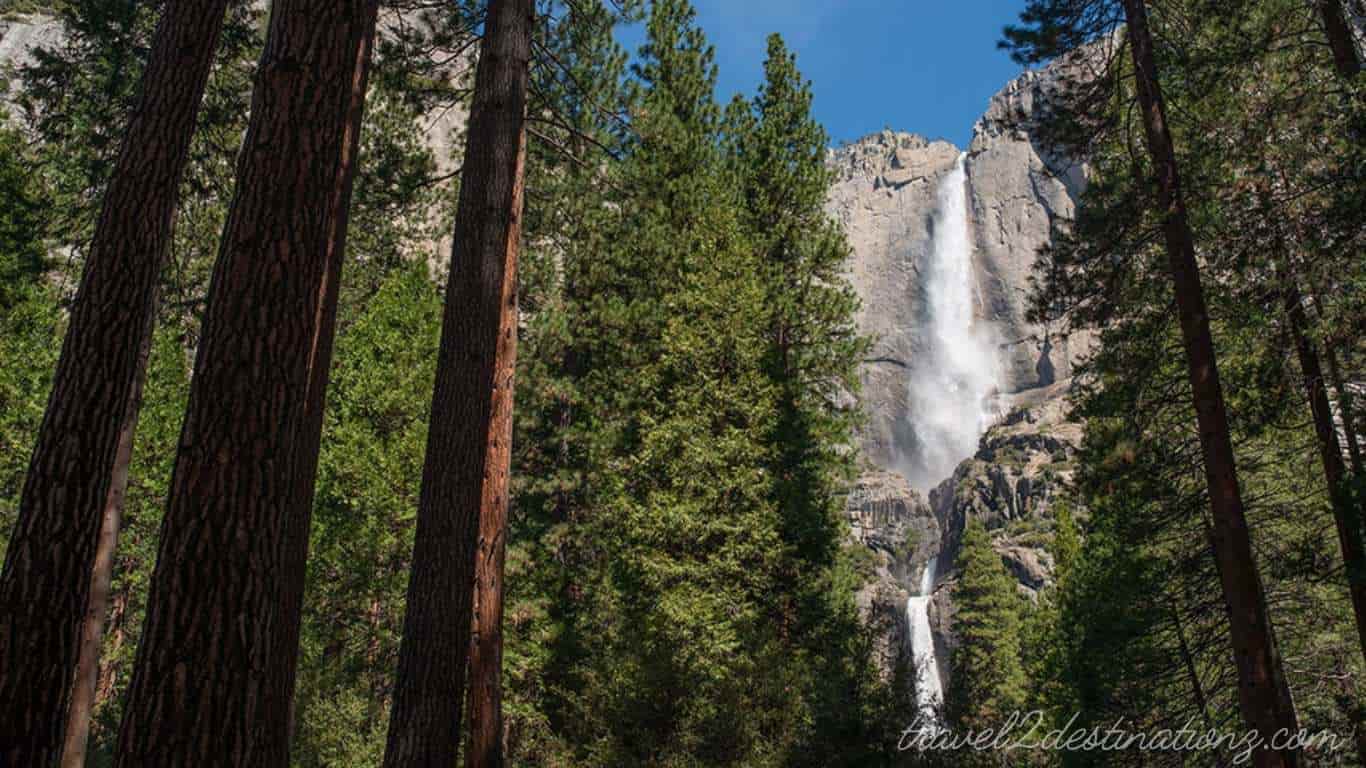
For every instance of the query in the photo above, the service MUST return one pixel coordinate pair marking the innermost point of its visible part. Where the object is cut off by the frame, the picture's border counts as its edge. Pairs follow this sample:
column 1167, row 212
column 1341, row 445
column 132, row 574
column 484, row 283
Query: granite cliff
column 885, row 194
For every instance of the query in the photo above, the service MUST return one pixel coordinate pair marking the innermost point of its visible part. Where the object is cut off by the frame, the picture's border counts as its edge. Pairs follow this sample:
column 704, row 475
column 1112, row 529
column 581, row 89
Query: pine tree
column 988, row 679
column 1055, row 28
column 75, row 483
column 462, row 513
column 245, row 434
column 284, row 660
column 28, row 319
column 777, row 152
column 813, row 348
column 368, row 483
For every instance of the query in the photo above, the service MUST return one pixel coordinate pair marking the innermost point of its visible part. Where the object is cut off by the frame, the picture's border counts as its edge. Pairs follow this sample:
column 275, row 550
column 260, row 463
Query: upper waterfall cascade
column 959, row 372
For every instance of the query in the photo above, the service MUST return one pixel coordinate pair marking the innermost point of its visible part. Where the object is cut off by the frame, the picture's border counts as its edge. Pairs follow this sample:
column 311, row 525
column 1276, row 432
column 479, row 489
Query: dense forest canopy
column 571, row 485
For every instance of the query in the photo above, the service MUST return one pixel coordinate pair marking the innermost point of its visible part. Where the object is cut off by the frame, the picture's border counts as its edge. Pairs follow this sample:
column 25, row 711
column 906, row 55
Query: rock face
column 892, row 519
column 1022, row 464
column 884, row 196
column 900, row 531
column 20, row 36
column 1017, row 190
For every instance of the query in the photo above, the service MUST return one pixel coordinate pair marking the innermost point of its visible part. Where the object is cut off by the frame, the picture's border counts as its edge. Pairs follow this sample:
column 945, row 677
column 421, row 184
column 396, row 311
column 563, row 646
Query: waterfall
column 958, row 372
column 929, row 689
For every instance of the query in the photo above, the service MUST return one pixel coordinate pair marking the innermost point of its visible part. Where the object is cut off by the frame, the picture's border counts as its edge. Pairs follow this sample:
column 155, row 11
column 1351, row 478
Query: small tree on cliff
column 988, row 677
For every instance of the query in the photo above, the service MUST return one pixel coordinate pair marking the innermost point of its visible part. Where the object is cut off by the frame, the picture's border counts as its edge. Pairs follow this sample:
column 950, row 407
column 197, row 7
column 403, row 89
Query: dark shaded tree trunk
column 1346, row 408
column 1345, row 513
column 205, row 689
column 1340, row 38
column 1263, row 693
column 463, row 504
column 74, row 475
column 284, row 660
column 101, row 581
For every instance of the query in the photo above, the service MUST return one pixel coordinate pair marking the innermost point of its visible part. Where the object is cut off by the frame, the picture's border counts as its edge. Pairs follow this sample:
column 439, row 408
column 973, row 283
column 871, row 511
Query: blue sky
column 926, row 66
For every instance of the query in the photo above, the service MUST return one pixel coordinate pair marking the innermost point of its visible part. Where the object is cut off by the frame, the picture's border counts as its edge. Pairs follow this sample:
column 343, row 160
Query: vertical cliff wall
column 885, row 195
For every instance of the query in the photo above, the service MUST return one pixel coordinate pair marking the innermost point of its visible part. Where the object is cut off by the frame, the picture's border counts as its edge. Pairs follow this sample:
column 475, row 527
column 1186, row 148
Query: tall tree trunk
column 1346, row 407
column 1345, row 512
column 73, row 476
column 463, row 503
column 284, row 661
column 101, row 581
column 1197, row 687
column 486, row 647
column 1263, row 693
column 1345, row 400
column 1340, row 37
column 205, row 689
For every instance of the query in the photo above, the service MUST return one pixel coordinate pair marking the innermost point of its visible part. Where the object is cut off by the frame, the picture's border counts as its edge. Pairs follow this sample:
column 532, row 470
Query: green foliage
column 679, row 589
column 29, row 320
column 20, row 8
column 1273, row 182
column 165, row 396
column 368, row 481
column 680, row 454
column 22, row 258
column 988, row 678
column 74, row 100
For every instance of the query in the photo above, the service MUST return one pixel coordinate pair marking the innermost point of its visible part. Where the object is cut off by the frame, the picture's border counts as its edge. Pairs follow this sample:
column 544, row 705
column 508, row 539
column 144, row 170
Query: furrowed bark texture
column 73, row 476
column 486, row 647
column 464, row 482
column 1263, row 693
column 204, row 690
column 101, row 582
column 284, row 661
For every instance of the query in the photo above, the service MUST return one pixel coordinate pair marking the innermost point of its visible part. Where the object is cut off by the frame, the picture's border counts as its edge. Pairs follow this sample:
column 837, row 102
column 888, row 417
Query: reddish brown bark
column 205, row 690
column 74, row 474
column 486, row 648
column 284, row 660
column 464, row 484
column 1263, row 694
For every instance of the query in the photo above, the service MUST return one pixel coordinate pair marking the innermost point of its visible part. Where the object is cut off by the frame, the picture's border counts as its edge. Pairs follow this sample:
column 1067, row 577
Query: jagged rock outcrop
column 890, row 518
column 1021, row 466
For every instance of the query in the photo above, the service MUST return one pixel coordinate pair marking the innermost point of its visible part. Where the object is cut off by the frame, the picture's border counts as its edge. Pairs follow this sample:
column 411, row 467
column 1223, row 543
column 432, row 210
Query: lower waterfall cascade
column 929, row 688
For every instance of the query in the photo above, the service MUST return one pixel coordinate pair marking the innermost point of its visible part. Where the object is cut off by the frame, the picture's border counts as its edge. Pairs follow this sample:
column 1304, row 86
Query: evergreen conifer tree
column 988, row 678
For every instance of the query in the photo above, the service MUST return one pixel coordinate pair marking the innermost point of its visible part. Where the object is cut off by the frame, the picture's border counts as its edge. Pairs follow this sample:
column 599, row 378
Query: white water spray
column 952, row 385
column 929, row 689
